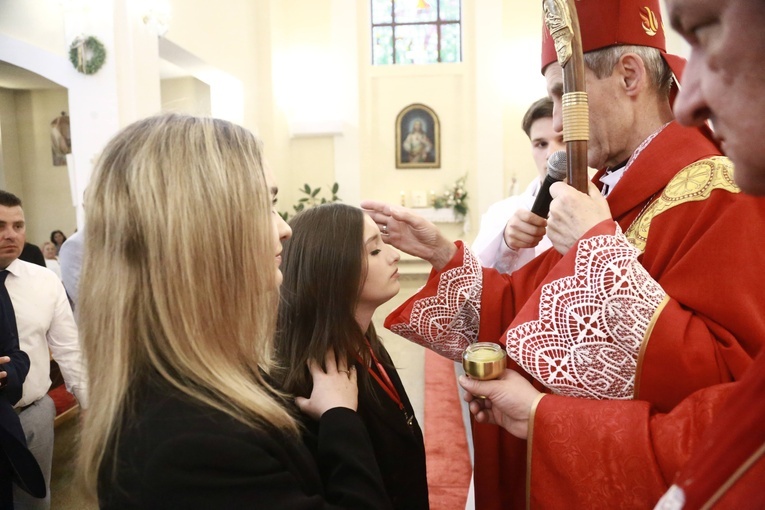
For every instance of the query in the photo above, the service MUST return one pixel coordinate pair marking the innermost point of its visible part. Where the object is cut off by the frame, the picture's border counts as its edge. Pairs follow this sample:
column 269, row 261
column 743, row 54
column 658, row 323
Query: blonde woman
column 182, row 412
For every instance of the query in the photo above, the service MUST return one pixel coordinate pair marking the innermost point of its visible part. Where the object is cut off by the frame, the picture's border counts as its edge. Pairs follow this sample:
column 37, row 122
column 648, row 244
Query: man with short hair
column 45, row 326
column 489, row 245
column 629, row 306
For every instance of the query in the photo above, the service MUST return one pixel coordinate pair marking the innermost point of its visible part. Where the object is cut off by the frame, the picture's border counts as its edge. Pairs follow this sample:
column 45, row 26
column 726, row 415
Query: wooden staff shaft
column 576, row 113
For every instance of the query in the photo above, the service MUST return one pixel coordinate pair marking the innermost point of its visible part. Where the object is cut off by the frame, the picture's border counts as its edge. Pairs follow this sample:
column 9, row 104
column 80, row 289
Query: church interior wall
column 28, row 164
column 305, row 63
column 185, row 95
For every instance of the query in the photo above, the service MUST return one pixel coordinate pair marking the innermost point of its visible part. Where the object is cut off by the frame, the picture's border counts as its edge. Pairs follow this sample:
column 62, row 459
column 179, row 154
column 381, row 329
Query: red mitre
column 606, row 23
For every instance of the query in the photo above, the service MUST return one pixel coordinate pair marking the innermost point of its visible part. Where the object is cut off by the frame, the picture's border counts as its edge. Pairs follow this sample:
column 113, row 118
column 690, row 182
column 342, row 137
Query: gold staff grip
column 563, row 24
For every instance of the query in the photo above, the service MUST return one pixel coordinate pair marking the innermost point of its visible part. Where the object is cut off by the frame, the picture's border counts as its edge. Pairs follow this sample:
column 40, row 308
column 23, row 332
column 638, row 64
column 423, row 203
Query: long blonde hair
column 178, row 277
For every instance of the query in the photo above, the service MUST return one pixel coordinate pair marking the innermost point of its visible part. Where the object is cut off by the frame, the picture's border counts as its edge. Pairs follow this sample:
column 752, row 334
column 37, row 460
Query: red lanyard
column 383, row 379
column 386, row 384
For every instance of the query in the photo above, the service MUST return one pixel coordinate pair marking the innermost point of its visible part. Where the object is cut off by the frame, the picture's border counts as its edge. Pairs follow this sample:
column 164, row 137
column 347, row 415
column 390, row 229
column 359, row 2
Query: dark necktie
column 8, row 316
column 9, row 346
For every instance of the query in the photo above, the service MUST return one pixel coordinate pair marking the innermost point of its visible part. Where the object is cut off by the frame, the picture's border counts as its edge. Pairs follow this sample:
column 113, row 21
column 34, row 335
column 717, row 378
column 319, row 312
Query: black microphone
column 556, row 171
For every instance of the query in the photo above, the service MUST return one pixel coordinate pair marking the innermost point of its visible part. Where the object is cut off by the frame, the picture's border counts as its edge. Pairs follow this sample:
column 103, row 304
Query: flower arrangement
column 455, row 197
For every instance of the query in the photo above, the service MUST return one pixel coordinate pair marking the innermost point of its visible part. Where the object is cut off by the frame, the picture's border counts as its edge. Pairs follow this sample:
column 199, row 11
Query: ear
column 633, row 73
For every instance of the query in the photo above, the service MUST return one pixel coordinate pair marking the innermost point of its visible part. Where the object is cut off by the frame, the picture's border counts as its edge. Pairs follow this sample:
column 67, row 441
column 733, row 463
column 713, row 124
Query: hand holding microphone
column 525, row 229
column 556, row 171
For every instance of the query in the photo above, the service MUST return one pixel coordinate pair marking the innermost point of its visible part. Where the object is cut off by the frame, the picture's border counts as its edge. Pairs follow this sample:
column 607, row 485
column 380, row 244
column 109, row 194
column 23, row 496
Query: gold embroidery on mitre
column 650, row 22
column 693, row 183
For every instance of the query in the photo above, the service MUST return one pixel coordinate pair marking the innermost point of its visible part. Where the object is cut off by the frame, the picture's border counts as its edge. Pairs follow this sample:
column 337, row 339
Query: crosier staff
column 563, row 24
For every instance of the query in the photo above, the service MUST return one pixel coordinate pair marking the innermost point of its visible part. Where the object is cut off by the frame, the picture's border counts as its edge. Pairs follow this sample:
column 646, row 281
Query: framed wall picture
column 418, row 138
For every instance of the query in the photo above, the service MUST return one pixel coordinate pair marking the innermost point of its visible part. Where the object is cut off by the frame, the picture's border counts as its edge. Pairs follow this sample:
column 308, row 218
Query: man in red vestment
column 726, row 83
column 723, row 424
column 631, row 306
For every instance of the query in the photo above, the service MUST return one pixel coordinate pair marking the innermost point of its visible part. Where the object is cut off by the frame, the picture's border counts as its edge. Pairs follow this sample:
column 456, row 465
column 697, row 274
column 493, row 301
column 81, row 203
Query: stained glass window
column 416, row 31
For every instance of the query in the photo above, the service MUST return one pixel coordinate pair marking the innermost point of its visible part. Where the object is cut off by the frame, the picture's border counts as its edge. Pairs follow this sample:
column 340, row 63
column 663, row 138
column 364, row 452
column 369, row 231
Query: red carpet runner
column 445, row 443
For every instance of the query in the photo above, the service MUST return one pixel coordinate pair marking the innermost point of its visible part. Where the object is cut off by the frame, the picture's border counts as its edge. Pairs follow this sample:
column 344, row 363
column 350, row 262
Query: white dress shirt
column 611, row 179
column 489, row 245
column 44, row 320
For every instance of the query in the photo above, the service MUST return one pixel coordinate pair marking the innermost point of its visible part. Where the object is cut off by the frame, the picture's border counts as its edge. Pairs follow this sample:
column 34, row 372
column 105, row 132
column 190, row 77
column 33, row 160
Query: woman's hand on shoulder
column 335, row 387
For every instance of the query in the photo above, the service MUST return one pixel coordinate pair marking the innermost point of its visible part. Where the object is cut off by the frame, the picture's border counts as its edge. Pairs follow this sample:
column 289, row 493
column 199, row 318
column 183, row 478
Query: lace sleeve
column 590, row 326
column 448, row 321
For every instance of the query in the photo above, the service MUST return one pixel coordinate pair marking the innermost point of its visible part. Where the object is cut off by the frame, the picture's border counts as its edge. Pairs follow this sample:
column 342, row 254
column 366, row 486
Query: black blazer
column 398, row 444
column 17, row 464
column 177, row 453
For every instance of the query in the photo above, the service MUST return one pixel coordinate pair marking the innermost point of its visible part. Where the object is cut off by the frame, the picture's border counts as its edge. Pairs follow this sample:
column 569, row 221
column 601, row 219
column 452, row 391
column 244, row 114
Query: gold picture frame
column 418, row 138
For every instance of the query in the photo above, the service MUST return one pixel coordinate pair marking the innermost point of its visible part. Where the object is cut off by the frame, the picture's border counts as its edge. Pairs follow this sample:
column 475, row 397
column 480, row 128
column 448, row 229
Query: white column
column 347, row 146
column 125, row 89
column 488, row 82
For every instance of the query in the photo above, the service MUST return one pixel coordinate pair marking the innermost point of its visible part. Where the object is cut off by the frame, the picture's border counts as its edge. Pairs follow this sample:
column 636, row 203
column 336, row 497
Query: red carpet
column 446, row 448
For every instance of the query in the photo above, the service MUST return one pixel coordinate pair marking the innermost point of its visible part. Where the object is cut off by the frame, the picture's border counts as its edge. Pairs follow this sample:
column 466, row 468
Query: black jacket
column 177, row 453
column 398, row 443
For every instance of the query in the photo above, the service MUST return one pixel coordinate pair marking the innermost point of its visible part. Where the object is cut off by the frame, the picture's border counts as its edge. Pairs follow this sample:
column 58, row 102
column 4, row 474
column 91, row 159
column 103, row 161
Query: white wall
column 185, row 95
column 10, row 163
column 298, row 73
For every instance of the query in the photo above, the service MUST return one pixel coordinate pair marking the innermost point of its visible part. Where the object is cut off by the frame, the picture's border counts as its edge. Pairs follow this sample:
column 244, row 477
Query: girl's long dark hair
column 324, row 267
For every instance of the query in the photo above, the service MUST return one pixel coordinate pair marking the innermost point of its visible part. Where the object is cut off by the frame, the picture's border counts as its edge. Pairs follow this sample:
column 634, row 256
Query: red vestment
column 677, row 326
column 728, row 467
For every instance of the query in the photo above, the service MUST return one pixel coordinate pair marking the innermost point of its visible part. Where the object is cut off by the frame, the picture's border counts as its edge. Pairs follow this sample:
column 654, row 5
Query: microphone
column 556, row 171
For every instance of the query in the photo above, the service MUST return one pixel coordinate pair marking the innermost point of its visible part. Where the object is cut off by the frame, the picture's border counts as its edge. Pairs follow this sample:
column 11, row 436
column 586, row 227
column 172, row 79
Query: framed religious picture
column 418, row 138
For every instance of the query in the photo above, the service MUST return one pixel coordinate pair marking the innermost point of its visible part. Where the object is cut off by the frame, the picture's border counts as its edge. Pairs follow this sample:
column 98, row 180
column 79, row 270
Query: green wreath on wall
column 87, row 54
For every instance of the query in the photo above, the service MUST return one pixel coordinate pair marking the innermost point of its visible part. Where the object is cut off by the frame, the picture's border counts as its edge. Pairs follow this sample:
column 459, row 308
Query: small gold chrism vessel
column 484, row 360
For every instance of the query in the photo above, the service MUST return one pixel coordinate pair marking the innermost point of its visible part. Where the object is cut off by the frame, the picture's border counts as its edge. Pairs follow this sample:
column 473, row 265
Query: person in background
column 16, row 461
column 57, row 238
column 184, row 413
column 51, row 261
column 489, row 245
column 70, row 260
column 630, row 305
column 337, row 271
column 45, row 327
column 33, row 254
